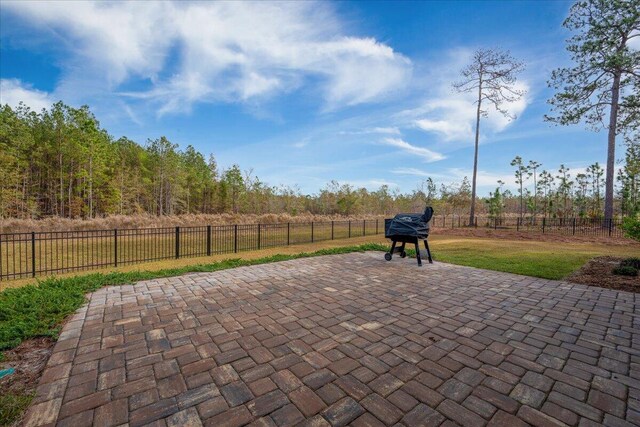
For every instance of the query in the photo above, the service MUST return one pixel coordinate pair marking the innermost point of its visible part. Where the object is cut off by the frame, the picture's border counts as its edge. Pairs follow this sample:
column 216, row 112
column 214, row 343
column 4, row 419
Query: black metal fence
column 40, row 253
column 564, row 226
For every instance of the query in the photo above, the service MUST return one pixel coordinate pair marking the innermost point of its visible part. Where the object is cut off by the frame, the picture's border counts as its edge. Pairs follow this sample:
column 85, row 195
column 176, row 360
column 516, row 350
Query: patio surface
column 348, row 339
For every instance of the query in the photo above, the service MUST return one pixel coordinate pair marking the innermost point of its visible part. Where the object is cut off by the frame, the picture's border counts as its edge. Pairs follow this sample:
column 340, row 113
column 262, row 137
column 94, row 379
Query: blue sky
column 301, row 93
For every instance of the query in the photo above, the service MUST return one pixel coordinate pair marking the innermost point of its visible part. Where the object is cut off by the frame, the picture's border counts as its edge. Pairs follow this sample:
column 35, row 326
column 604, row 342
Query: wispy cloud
column 302, row 143
column 424, row 153
column 13, row 91
column 451, row 115
column 218, row 51
column 634, row 43
column 448, row 128
column 456, row 175
column 391, row 130
column 412, row 171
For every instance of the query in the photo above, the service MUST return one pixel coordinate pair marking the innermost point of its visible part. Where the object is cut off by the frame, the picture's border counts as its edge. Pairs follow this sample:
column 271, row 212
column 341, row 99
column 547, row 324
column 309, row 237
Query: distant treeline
column 61, row 163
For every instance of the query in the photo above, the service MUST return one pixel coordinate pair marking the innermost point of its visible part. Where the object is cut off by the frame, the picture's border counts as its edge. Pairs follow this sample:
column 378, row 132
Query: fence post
column 177, row 242
column 518, row 224
column 208, row 240
column 349, row 228
column 332, row 229
column 544, row 220
column 235, row 238
column 476, row 222
column 115, row 247
column 574, row 226
column 376, row 226
column 33, row 254
column 259, row 236
column 288, row 232
column 311, row 231
column 610, row 226
column 364, row 227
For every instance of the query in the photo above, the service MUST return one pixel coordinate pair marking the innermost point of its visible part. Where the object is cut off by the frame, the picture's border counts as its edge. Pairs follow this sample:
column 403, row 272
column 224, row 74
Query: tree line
column 61, row 162
column 563, row 193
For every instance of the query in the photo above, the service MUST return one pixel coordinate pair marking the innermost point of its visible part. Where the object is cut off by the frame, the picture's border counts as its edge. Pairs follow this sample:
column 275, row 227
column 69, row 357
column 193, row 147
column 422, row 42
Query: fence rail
column 41, row 253
column 564, row 226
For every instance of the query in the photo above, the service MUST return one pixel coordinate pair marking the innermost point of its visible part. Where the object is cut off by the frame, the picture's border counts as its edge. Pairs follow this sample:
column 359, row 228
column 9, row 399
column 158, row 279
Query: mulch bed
column 597, row 272
column 28, row 360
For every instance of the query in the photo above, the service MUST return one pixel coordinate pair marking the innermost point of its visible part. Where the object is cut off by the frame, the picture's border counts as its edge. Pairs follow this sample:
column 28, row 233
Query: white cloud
column 412, row 171
column 425, row 153
column 484, row 178
column 302, row 143
column 380, row 130
column 219, row 51
column 452, row 115
column 634, row 43
column 391, row 130
column 456, row 175
column 456, row 126
column 13, row 91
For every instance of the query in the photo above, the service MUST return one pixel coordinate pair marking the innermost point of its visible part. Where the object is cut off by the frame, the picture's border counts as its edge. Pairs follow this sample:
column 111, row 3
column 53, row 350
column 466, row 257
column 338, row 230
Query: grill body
column 408, row 228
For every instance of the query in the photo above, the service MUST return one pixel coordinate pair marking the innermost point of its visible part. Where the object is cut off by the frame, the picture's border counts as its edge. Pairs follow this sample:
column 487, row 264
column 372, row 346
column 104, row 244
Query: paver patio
column 348, row 339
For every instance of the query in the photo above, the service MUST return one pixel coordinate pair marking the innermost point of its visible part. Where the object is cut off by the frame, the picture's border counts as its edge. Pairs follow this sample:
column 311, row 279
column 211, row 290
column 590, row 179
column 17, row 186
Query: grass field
column 546, row 259
column 61, row 251
column 549, row 259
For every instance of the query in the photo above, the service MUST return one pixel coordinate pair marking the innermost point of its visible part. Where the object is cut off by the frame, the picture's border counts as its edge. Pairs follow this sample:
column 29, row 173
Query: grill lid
column 409, row 224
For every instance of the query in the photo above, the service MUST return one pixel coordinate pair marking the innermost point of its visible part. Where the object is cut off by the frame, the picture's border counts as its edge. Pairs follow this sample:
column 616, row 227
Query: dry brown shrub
column 151, row 221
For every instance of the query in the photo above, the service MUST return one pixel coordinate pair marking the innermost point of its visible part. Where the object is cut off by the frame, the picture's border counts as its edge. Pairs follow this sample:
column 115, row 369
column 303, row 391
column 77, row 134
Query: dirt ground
column 598, row 272
column 530, row 235
column 28, row 360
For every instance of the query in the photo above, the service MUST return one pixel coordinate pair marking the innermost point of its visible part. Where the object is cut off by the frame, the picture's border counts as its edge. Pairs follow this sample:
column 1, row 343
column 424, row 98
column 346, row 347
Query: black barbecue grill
column 408, row 228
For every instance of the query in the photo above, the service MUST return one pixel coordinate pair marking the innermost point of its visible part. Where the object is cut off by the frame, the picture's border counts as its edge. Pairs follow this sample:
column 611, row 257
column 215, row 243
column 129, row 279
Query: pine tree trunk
column 535, row 194
column 472, row 211
column 521, row 195
column 611, row 147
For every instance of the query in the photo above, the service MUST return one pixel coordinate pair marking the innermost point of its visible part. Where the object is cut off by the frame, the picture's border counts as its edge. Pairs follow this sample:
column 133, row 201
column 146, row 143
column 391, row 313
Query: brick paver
column 349, row 339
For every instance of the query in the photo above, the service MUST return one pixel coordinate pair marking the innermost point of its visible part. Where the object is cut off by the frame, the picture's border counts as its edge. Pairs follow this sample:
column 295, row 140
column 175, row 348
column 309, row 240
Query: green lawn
column 548, row 265
column 548, row 260
column 12, row 406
